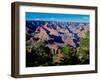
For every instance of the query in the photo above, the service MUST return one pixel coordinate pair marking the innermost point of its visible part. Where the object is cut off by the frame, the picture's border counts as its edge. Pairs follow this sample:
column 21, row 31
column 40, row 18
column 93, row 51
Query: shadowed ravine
column 51, row 43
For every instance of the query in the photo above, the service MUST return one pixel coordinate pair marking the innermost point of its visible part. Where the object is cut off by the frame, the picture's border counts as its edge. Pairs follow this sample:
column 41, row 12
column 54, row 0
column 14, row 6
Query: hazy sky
column 57, row 17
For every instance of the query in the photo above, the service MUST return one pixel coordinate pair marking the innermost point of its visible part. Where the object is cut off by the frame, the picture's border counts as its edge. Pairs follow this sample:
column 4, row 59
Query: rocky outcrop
column 56, row 34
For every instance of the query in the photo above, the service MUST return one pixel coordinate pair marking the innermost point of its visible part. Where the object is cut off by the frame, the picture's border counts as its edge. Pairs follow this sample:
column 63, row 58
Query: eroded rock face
column 47, row 40
column 57, row 32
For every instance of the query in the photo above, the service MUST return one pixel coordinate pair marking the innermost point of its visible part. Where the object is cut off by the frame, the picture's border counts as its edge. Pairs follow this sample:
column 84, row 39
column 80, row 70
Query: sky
column 57, row 17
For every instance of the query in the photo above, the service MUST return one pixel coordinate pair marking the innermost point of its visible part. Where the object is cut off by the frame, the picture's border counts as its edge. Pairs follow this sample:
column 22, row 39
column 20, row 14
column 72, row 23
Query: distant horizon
column 57, row 21
column 57, row 17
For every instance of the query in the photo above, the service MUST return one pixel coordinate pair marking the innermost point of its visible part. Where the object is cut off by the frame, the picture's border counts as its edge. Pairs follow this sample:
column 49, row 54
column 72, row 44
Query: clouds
column 57, row 17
